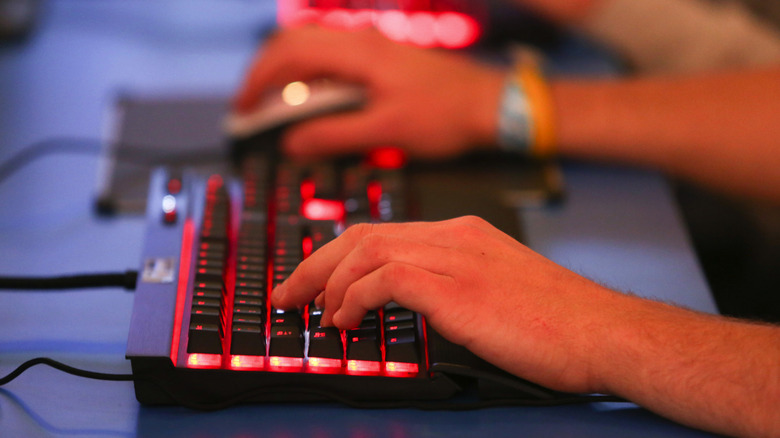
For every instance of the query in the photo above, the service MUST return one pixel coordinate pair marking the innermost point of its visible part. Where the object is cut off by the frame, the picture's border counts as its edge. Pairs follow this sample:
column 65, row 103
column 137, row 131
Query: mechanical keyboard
column 203, row 332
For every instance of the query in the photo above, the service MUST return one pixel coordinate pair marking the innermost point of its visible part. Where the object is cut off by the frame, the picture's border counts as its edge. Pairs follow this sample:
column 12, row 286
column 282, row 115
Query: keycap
column 315, row 315
column 248, row 318
column 400, row 325
column 250, row 292
column 250, row 275
column 205, row 315
column 325, row 342
column 244, row 300
column 207, row 293
column 213, row 263
column 363, row 345
column 401, row 346
column 287, row 318
column 286, row 341
column 398, row 314
column 248, row 339
column 206, row 302
column 204, row 338
column 250, row 310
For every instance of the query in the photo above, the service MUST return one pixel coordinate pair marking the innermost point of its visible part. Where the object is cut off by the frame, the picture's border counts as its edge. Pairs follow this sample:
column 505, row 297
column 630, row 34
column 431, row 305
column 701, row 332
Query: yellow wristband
column 526, row 118
column 542, row 142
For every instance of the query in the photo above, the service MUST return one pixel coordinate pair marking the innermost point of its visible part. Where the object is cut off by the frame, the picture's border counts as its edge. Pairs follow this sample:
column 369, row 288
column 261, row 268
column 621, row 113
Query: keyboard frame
column 158, row 333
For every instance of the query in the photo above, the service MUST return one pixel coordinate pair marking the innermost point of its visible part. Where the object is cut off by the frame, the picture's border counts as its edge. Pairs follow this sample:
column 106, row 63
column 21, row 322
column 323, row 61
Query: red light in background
column 374, row 192
column 323, row 209
column 414, row 25
column 387, row 157
column 307, row 245
column 307, row 189
column 214, row 182
column 456, row 30
column 393, row 24
column 422, row 29
column 174, row 186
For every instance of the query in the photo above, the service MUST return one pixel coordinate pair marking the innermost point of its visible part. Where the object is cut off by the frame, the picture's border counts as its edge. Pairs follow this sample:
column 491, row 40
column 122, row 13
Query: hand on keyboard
column 474, row 284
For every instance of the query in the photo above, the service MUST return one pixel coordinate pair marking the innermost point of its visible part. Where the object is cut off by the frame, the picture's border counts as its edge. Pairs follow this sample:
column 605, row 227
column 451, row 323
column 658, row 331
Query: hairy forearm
column 720, row 129
column 702, row 370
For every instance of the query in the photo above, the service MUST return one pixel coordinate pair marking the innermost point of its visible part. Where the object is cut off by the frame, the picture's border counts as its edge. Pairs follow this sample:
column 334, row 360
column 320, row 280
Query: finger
column 375, row 252
column 339, row 134
column 409, row 286
column 312, row 275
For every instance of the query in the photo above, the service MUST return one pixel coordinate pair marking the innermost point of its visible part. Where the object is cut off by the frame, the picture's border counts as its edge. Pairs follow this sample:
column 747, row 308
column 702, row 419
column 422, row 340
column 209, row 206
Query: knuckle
column 471, row 220
column 391, row 273
column 358, row 231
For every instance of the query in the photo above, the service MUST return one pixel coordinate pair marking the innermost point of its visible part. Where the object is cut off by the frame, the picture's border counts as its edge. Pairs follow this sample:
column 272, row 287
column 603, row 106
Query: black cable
column 41, row 148
column 65, row 368
column 125, row 279
column 143, row 155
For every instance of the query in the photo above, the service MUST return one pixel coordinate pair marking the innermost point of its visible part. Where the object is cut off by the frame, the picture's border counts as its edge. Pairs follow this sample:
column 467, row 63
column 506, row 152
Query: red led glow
column 323, row 209
column 387, row 157
column 363, row 367
column 421, row 29
column 181, row 288
column 214, row 182
column 307, row 245
column 174, row 186
column 324, row 365
column 202, row 360
column 374, row 191
column 401, row 369
column 374, row 194
column 170, row 217
column 285, row 364
column 456, row 30
column 307, row 189
column 245, row 362
column 448, row 29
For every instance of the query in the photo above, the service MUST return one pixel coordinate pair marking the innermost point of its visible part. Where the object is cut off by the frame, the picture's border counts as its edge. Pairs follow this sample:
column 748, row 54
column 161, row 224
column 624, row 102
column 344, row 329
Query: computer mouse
column 293, row 103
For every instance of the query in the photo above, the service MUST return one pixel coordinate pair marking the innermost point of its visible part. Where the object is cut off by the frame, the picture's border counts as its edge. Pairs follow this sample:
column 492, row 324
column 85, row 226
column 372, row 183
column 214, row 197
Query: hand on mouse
column 429, row 102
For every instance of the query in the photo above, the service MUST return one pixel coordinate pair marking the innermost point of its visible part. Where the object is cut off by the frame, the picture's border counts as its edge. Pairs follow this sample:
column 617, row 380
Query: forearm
column 720, row 130
column 666, row 36
column 705, row 371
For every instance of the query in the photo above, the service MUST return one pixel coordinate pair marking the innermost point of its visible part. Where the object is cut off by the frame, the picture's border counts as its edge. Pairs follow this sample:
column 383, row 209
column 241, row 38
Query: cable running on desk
column 125, row 280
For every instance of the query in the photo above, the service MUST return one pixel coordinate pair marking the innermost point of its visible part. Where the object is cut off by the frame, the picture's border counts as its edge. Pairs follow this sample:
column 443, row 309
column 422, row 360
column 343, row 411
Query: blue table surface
column 618, row 226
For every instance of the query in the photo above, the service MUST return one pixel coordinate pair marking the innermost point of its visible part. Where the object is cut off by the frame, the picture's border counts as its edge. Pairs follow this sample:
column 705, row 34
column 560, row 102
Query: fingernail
column 336, row 318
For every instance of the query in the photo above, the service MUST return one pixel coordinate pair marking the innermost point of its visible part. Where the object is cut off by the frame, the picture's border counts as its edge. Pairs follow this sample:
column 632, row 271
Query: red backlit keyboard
column 250, row 240
column 202, row 331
